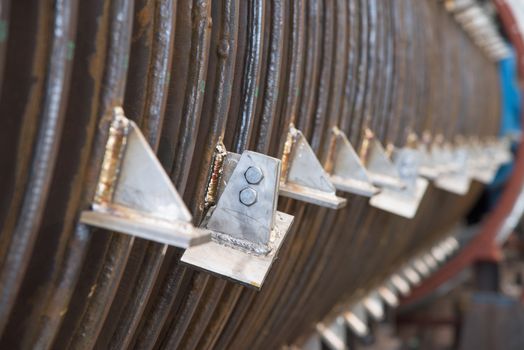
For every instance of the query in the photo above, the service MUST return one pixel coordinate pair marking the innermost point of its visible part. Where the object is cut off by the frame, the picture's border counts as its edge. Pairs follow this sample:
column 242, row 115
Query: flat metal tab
column 387, row 293
column 431, row 262
column 381, row 169
column 481, row 167
column 333, row 335
column 135, row 196
column 421, row 267
column 373, row 304
column 411, row 275
column 400, row 284
column 428, row 167
column 403, row 201
column 357, row 320
column 347, row 172
column 247, row 231
column 438, row 254
column 456, row 179
column 303, row 177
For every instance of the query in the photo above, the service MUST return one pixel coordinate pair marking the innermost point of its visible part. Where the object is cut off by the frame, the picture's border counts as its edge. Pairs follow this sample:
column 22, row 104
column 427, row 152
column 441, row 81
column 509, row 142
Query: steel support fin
column 333, row 335
column 303, row 177
column 135, row 196
column 247, row 230
column 381, row 169
column 357, row 320
column 406, row 200
column 456, row 179
column 347, row 172
column 374, row 306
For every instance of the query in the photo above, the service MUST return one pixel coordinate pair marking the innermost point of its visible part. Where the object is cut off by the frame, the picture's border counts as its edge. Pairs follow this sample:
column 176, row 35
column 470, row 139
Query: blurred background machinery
column 194, row 74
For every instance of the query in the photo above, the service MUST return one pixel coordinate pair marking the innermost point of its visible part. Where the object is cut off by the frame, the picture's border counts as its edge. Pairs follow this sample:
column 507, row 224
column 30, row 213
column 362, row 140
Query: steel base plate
column 401, row 202
column 309, row 195
column 457, row 183
column 386, row 181
column 235, row 263
column 174, row 233
column 360, row 188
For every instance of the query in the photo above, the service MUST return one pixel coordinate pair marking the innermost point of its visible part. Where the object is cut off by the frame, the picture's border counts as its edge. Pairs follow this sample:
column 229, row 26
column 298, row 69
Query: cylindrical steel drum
column 191, row 73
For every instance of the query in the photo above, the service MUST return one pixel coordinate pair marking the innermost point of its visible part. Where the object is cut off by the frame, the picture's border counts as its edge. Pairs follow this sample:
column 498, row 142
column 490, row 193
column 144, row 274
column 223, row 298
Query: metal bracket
column 457, row 179
column 481, row 166
column 333, row 335
column 247, row 230
column 421, row 267
column 438, row 253
column 427, row 168
column 303, row 177
column 430, row 262
column 411, row 275
column 134, row 194
column 382, row 171
column 387, row 293
column 347, row 172
column 356, row 319
column 400, row 284
column 403, row 201
column 373, row 304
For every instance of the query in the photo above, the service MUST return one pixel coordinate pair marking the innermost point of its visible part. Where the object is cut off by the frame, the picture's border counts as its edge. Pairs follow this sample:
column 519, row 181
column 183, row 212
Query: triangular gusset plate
column 143, row 200
column 387, row 293
column 348, row 174
column 382, row 171
column 357, row 320
column 481, row 165
column 428, row 168
column 403, row 201
column 304, row 178
column 373, row 304
column 333, row 334
column 421, row 267
column 400, row 284
column 430, row 262
column 457, row 179
column 247, row 231
column 411, row 275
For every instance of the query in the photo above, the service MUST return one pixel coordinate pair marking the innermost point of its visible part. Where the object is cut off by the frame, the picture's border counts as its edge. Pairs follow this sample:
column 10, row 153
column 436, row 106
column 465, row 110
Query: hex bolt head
column 253, row 175
column 248, row 196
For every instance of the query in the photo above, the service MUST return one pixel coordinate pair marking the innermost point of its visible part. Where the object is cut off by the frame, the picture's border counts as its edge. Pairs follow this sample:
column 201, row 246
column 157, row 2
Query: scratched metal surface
column 191, row 72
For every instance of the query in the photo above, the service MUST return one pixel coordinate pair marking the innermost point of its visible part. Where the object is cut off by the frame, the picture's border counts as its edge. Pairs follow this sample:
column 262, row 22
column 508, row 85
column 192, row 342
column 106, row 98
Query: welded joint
column 247, row 231
column 135, row 196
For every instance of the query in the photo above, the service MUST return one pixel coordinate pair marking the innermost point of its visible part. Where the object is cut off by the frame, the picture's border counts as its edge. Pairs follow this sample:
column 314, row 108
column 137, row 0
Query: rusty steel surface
column 192, row 73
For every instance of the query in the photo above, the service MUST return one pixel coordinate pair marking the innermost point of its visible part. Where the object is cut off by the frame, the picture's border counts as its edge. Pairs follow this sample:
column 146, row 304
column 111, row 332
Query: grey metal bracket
column 456, row 179
column 247, row 230
column 438, row 253
column 387, row 293
column 333, row 335
column 427, row 168
column 134, row 194
column 303, row 177
column 430, row 262
column 411, row 275
column 373, row 304
column 347, row 172
column 400, row 284
column 357, row 320
column 421, row 267
column 482, row 165
column 381, row 169
column 406, row 200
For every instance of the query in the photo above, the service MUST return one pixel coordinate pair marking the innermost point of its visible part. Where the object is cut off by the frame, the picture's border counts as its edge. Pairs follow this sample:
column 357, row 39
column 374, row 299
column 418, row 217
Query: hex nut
column 248, row 196
column 253, row 175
